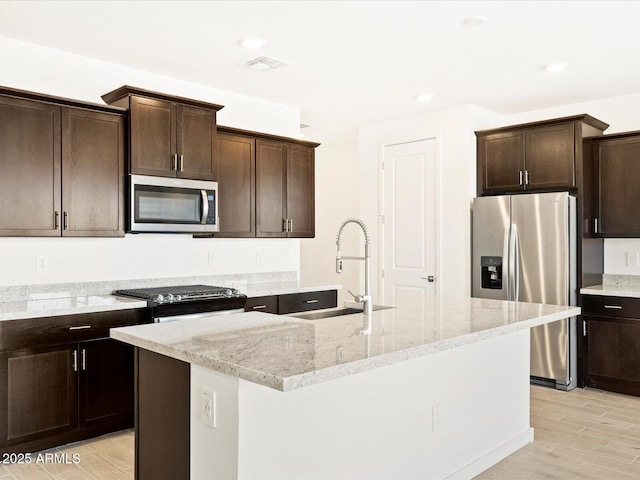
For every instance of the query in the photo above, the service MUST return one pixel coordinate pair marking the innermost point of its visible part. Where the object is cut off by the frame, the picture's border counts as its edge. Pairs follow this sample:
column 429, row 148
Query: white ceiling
column 357, row 62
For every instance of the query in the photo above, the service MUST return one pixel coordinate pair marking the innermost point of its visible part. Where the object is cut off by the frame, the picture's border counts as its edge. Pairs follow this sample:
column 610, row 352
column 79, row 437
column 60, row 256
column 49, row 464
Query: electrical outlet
column 208, row 412
column 632, row 259
column 258, row 258
column 42, row 263
column 212, row 259
column 435, row 418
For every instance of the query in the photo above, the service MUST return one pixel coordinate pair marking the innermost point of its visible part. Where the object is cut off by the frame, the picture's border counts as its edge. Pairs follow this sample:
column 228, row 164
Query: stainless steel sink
column 338, row 312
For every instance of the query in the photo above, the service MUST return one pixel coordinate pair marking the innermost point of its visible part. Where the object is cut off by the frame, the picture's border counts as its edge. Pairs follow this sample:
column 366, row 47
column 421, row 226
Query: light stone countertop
column 287, row 353
column 49, row 307
column 616, row 286
column 31, row 301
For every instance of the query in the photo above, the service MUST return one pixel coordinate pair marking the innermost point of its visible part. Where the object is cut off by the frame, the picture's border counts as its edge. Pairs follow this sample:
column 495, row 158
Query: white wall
column 358, row 191
column 621, row 114
column 337, row 192
column 29, row 67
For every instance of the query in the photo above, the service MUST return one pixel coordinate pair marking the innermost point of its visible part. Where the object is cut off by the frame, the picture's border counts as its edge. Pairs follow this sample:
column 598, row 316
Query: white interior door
column 409, row 216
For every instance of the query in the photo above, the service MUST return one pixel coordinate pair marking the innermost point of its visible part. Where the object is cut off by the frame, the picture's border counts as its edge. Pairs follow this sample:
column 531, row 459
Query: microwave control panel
column 211, row 198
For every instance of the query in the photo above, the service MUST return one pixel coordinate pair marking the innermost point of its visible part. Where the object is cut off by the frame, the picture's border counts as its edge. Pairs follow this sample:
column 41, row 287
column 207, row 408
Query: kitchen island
column 435, row 387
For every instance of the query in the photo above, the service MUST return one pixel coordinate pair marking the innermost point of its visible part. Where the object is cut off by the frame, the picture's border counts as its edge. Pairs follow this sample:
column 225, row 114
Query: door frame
column 381, row 195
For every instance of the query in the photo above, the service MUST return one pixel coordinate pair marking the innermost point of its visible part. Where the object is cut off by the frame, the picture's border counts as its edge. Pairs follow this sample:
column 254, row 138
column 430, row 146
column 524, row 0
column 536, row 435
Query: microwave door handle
column 205, row 207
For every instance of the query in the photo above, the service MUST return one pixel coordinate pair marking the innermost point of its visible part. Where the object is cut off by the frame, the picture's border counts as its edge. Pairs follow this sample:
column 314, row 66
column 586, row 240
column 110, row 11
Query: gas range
column 175, row 302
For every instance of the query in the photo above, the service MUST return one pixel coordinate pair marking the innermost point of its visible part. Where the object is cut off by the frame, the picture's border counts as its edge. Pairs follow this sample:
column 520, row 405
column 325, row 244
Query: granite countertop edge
column 294, row 382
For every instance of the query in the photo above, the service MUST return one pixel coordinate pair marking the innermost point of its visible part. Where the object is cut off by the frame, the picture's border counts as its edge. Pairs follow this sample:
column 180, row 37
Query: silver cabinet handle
column 56, row 220
column 75, row 360
column 181, row 162
column 291, row 224
column 595, row 225
column 83, row 360
column 64, row 220
column 285, row 224
column 174, row 162
column 80, row 327
column 527, row 179
column 614, row 307
column 315, row 300
column 520, row 177
column 258, row 307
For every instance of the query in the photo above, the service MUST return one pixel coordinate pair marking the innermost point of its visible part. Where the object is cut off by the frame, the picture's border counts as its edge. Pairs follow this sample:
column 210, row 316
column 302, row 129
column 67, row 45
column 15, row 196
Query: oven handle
column 194, row 316
column 205, row 207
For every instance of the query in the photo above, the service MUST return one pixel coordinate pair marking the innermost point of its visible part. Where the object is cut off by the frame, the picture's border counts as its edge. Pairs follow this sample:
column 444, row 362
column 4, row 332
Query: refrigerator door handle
column 506, row 275
column 514, row 267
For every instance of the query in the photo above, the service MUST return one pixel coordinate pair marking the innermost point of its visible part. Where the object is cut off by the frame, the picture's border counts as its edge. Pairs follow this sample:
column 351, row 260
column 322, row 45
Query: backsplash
column 21, row 293
column 615, row 256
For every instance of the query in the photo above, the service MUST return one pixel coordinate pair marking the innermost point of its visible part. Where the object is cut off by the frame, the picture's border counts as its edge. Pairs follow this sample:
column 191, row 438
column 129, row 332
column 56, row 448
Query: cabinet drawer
column 303, row 302
column 611, row 306
column 268, row 304
column 31, row 332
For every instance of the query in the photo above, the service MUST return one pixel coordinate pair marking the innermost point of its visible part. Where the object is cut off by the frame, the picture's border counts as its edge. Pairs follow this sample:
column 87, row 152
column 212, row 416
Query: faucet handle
column 357, row 298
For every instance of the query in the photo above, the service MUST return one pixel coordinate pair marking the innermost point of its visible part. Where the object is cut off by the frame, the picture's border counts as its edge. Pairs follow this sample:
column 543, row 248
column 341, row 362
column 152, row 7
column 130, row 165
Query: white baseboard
column 494, row 456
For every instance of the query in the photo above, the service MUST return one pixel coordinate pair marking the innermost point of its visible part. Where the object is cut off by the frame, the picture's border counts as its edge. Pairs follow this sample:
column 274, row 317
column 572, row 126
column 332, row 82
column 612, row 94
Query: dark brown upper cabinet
column 169, row 136
column 62, row 165
column 236, row 185
column 617, row 165
column 540, row 156
column 265, row 185
column 284, row 190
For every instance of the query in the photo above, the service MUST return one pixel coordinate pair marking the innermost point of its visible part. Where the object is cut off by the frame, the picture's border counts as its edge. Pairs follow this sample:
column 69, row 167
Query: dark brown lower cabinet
column 105, row 383
column 613, row 360
column 293, row 302
column 59, row 384
column 54, row 395
column 40, row 394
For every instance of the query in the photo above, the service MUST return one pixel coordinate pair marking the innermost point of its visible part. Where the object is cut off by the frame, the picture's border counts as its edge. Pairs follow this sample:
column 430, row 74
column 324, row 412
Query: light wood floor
column 583, row 434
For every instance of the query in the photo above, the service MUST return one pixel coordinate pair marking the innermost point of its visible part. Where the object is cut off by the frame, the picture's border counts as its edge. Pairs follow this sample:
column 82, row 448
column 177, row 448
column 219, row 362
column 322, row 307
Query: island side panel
column 375, row 424
column 162, row 397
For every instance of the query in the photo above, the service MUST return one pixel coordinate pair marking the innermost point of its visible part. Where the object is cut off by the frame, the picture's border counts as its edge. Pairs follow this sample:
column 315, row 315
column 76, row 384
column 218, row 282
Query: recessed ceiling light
column 476, row 21
column 556, row 67
column 424, row 98
column 252, row 43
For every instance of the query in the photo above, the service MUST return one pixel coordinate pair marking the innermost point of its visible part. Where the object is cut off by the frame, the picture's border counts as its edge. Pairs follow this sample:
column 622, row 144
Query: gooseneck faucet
column 365, row 299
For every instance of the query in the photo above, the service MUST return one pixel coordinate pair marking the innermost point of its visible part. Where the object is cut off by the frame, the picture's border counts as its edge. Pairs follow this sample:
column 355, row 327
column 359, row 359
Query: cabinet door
column 300, row 191
column 196, row 142
column 92, row 173
column 613, row 361
column 236, row 185
column 29, row 168
column 153, row 137
column 271, row 174
column 106, row 383
column 500, row 162
column 618, row 195
column 550, row 157
column 38, row 393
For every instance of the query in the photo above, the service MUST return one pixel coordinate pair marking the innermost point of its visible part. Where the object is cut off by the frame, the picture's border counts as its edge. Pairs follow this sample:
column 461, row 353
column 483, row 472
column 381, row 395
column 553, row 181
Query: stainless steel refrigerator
column 524, row 249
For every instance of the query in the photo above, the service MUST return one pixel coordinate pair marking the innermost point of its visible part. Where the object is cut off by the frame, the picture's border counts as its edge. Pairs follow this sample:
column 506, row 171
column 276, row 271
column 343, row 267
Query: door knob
column 429, row 278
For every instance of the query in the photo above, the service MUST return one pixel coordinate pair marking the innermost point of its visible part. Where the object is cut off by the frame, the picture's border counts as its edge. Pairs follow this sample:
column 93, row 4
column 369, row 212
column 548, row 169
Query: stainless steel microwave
column 172, row 205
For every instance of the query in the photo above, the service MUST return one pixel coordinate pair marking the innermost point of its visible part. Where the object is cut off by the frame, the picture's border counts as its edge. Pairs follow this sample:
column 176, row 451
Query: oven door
column 172, row 205
column 199, row 308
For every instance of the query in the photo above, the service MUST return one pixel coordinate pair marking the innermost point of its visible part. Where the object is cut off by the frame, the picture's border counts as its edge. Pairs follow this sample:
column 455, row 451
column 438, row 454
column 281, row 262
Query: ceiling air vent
column 265, row 63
